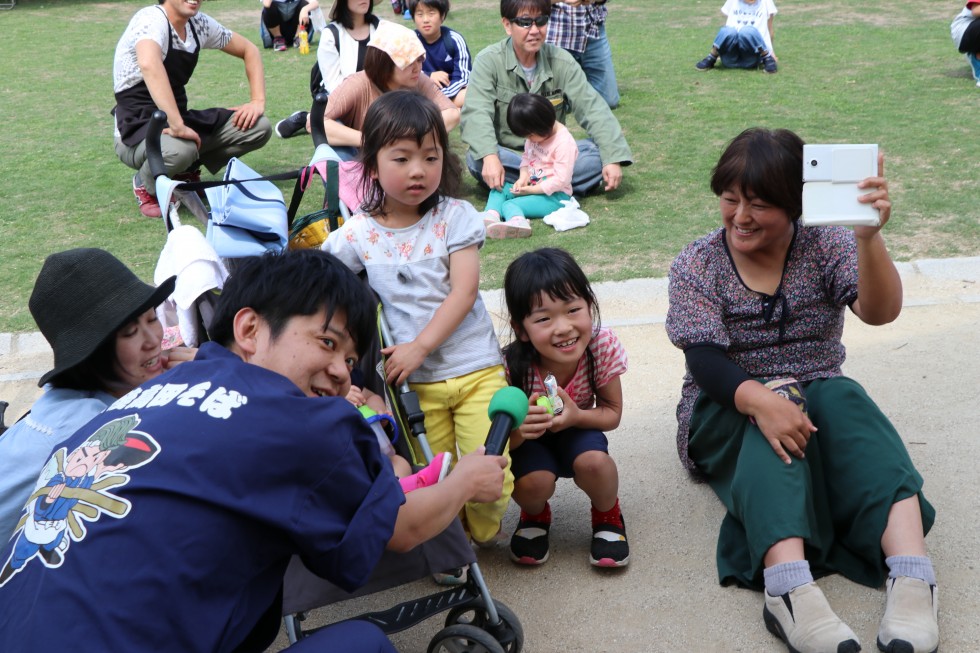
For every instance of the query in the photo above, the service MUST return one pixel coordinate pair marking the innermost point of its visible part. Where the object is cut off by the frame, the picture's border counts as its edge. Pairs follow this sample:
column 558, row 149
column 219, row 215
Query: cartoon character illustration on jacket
column 73, row 489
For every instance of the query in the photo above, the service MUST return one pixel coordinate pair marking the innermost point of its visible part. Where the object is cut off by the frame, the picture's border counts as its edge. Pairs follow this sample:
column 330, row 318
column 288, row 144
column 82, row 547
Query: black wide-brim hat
column 82, row 297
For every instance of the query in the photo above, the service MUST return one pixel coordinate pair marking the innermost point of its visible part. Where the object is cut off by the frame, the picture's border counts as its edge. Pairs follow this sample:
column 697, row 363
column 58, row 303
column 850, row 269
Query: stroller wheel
column 509, row 633
column 462, row 638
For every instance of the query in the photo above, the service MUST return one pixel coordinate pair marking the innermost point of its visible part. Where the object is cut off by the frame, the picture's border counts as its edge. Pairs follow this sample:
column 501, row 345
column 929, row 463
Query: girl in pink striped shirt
column 555, row 319
column 545, row 179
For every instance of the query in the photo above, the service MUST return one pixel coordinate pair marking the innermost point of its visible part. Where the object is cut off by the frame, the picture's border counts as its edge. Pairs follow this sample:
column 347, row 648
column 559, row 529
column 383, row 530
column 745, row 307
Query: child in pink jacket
column 546, row 169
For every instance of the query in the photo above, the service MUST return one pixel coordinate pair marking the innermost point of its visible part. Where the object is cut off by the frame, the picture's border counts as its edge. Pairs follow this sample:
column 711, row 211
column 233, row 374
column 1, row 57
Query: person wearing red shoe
column 155, row 58
column 560, row 350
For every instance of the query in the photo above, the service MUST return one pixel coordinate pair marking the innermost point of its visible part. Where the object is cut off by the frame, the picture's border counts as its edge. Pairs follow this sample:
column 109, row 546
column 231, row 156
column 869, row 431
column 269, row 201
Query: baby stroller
column 475, row 622
column 245, row 215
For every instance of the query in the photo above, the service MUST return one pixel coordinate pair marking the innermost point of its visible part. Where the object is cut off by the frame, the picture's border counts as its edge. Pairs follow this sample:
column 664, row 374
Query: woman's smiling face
column 138, row 352
column 752, row 224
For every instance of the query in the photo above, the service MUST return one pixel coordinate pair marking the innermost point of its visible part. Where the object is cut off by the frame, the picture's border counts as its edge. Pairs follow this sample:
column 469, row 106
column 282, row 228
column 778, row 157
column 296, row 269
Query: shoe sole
column 503, row 231
column 899, row 646
column 774, row 627
column 609, row 563
column 528, row 561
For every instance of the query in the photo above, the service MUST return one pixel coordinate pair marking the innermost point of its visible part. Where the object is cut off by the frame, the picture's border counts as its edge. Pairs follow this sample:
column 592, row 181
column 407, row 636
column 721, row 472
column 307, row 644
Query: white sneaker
column 911, row 621
column 804, row 620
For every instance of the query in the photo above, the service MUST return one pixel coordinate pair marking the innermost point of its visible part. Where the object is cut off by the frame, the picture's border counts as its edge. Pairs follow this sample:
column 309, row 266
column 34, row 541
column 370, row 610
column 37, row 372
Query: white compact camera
column 830, row 177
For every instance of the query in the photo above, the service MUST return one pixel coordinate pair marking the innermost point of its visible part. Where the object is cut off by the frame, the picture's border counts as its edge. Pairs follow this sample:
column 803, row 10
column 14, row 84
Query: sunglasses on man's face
column 525, row 22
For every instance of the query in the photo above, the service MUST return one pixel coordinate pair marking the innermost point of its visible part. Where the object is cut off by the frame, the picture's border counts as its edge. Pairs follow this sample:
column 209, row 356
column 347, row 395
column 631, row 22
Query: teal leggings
column 509, row 205
column 837, row 499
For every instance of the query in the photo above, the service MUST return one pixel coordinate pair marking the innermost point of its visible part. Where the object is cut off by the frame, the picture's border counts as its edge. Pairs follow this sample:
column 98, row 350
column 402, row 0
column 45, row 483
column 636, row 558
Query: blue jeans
column 974, row 65
column 586, row 176
column 597, row 63
column 346, row 152
column 740, row 48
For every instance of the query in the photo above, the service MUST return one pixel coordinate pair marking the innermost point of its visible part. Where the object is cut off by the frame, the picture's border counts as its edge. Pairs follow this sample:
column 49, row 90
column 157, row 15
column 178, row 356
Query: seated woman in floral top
column 815, row 478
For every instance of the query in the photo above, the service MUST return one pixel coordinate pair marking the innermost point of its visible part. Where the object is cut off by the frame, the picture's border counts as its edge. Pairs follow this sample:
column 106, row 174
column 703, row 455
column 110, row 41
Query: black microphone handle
column 499, row 433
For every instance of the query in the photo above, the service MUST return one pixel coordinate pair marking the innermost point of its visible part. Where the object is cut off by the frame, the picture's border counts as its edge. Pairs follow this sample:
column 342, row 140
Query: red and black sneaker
column 147, row 203
column 529, row 544
column 609, row 545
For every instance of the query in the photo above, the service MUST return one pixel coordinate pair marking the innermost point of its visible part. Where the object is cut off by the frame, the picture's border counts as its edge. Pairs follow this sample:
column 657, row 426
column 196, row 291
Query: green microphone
column 507, row 410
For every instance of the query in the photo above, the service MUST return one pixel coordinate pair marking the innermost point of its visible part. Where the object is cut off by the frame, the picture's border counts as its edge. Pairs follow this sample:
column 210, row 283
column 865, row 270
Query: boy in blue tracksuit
column 447, row 59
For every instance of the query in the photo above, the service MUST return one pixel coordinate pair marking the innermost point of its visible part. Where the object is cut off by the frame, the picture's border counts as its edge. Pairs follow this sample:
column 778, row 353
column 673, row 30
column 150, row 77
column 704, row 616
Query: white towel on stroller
column 198, row 267
column 568, row 216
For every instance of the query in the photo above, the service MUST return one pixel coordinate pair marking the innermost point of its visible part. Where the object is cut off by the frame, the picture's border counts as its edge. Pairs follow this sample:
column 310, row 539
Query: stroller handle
column 316, row 119
column 154, row 154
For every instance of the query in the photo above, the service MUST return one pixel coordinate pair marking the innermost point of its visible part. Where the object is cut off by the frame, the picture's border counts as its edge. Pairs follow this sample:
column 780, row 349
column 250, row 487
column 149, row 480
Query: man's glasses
column 525, row 22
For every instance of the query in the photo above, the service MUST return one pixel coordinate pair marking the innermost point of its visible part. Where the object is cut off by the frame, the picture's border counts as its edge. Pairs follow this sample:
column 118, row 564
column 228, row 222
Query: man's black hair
column 510, row 9
column 295, row 283
column 442, row 6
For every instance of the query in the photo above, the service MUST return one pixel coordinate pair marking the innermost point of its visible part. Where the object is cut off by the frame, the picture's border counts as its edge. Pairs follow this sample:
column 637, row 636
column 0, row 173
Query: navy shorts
column 555, row 452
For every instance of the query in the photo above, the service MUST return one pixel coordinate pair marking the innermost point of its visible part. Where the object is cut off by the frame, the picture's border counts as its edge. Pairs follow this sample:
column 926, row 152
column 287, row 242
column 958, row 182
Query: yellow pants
column 456, row 420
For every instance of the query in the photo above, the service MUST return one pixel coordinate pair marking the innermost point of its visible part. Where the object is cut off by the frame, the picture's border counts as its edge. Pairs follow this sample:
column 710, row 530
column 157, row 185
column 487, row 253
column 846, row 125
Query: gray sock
column 912, row 566
column 786, row 577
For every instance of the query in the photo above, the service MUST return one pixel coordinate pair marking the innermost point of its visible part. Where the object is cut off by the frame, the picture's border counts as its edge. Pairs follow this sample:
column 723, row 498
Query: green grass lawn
column 848, row 72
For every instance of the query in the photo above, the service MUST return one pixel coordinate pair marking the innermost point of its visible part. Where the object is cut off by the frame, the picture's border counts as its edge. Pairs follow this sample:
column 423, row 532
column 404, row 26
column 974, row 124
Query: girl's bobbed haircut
column 531, row 113
column 392, row 117
column 547, row 270
column 765, row 163
column 341, row 13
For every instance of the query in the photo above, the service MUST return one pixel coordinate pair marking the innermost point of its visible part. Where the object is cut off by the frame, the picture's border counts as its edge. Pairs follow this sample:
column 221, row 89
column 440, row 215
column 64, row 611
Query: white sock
column 912, row 566
column 787, row 576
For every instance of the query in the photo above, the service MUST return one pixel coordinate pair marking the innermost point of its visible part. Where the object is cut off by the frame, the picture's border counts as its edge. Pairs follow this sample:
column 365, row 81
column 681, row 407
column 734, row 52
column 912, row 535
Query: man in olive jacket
column 524, row 63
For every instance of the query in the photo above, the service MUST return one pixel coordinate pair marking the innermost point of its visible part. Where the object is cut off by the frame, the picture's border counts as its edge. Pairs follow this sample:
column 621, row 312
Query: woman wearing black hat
column 100, row 321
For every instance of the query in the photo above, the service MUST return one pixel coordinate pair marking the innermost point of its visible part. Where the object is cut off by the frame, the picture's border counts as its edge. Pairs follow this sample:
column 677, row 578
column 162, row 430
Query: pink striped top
column 611, row 361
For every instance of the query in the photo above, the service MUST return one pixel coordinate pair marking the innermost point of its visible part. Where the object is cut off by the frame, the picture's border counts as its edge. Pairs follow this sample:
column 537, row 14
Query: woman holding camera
column 815, row 478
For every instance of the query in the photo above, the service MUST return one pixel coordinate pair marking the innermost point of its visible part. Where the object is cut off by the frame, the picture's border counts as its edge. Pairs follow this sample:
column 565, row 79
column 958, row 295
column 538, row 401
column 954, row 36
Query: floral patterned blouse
column 409, row 270
column 794, row 332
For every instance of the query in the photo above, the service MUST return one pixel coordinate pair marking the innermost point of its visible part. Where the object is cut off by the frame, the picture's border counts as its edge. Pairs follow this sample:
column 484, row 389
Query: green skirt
column 837, row 499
